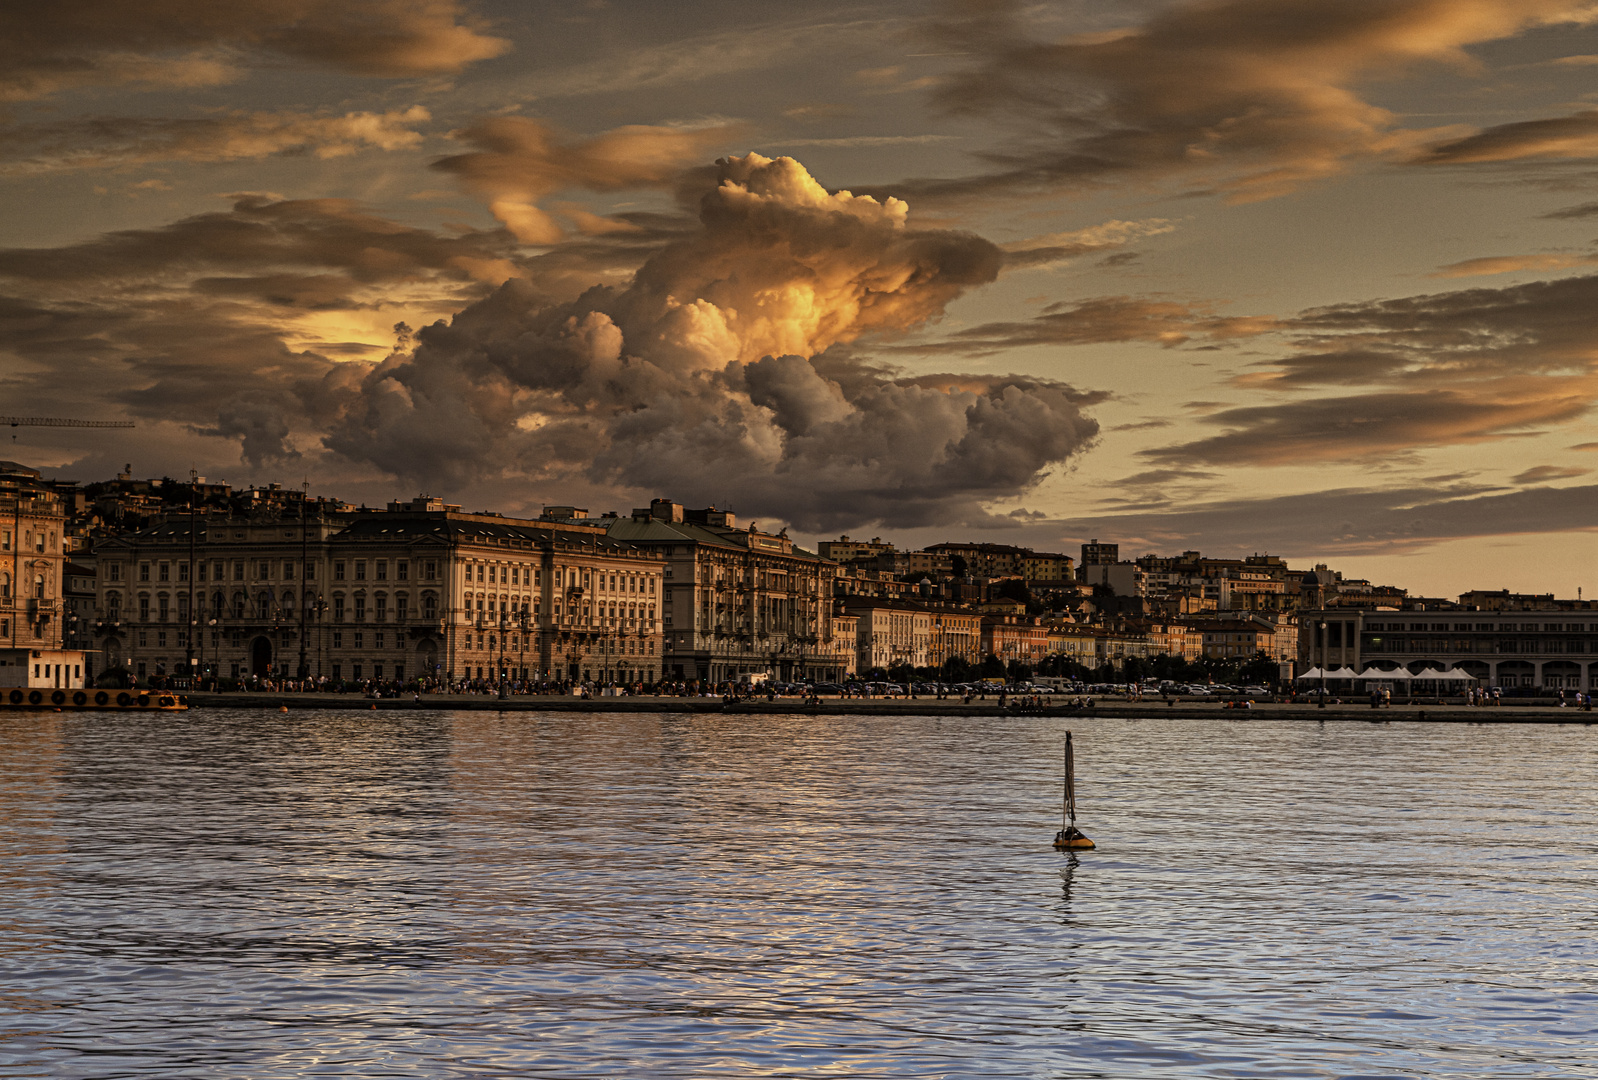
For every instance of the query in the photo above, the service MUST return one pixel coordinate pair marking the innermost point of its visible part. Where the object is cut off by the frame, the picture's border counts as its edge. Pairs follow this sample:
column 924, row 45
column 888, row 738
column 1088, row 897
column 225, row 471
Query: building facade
column 738, row 602
column 33, row 559
column 417, row 591
column 1551, row 649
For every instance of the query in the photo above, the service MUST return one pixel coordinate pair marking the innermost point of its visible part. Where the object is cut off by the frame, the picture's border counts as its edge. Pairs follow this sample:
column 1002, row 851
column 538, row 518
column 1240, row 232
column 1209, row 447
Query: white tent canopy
column 1312, row 673
column 1374, row 674
column 1342, row 673
column 1451, row 675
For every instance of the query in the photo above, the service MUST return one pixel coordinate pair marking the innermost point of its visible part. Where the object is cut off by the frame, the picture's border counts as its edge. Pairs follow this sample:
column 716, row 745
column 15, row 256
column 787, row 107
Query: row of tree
column 1258, row 669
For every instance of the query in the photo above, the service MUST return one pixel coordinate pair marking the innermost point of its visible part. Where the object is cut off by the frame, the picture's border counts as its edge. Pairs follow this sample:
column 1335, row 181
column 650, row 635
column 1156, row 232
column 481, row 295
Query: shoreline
column 1529, row 713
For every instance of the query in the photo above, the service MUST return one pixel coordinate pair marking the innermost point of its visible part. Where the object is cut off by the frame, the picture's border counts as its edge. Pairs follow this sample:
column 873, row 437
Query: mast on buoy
column 1069, row 837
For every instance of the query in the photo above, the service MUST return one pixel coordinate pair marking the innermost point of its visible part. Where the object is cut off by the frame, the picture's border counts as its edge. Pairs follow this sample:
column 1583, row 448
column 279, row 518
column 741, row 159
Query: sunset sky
column 1312, row 277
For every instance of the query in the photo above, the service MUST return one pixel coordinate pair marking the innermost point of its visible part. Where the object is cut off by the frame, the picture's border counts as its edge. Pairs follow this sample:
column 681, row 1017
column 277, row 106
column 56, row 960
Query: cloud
column 1344, row 521
column 722, row 371
column 185, row 43
column 1054, row 248
column 518, row 162
column 210, row 323
column 1443, row 369
column 1100, row 320
column 1370, row 425
column 1539, row 474
column 1511, row 264
column 27, row 149
column 1573, row 136
column 1249, row 98
column 1571, row 213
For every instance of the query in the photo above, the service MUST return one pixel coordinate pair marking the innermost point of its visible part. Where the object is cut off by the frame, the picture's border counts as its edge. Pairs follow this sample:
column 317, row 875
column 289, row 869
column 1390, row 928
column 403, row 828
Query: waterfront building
column 738, row 602
column 33, row 560
column 891, row 633
column 1555, row 649
column 1003, row 560
column 418, row 590
column 1015, row 639
column 844, row 550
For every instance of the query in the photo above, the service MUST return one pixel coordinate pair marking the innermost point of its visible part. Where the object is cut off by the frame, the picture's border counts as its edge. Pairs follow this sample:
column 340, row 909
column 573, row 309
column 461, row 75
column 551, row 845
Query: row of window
column 267, row 606
column 1481, row 645
column 39, row 542
column 262, row 570
column 1482, row 627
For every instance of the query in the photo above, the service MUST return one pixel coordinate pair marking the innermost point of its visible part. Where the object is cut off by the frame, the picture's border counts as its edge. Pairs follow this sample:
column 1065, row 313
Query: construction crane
column 56, row 421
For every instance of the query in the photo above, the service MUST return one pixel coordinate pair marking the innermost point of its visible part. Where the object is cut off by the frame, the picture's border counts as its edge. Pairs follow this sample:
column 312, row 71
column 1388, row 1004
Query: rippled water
column 240, row 894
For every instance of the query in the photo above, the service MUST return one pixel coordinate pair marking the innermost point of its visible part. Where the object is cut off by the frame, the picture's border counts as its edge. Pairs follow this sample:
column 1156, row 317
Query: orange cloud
column 518, row 161
column 235, row 136
column 182, row 43
column 1250, row 98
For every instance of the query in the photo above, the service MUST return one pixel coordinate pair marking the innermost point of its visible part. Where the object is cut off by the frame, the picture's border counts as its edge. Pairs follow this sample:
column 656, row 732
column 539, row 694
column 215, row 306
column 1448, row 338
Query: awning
column 1378, row 675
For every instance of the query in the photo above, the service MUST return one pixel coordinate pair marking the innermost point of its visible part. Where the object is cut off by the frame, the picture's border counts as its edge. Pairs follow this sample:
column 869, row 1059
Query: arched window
column 238, row 605
column 5, row 586
column 429, row 606
column 288, row 602
column 38, row 586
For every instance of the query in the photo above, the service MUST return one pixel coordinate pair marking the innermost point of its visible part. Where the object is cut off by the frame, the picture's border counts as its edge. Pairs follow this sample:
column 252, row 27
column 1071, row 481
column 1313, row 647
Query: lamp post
column 318, row 608
column 194, row 619
column 1322, row 702
column 502, row 627
column 304, row 668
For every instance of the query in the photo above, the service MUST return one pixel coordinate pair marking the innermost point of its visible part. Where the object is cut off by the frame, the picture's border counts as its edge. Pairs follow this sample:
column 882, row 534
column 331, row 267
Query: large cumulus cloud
column 722, row 371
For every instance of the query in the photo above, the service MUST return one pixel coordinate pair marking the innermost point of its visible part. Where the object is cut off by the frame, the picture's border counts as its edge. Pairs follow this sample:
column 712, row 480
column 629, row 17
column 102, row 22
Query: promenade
column 1531, row 712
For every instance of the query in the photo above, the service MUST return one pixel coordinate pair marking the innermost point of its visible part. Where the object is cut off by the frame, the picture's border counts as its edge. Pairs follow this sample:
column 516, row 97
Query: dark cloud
column 1573, row 213
column 1344, row 521
column 1249, row 98
column 1368, row 425
column 1091, row 322
column 214, row 323
column 1573, row 136
column 1541, row 474
column 184, row 43
column 1441, row 369
column 709, row 374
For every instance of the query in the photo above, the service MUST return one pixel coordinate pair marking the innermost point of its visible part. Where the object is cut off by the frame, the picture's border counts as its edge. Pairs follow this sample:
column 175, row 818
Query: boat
column 1069, row 838
column 33, row 699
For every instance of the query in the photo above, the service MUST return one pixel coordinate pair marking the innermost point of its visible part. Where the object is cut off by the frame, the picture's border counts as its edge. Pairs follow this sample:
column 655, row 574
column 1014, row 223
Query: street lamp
column 318, row 608
column 1322, row 702
column 502, row 625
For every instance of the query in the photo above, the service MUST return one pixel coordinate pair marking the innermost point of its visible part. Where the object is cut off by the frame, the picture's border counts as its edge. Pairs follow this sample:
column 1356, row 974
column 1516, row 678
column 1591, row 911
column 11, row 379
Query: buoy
column 374, row 708
column 1069, row 837
column 282, row 708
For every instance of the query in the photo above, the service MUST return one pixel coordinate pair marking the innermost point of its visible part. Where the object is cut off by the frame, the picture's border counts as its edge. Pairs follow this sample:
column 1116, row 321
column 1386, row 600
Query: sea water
column 232, row 894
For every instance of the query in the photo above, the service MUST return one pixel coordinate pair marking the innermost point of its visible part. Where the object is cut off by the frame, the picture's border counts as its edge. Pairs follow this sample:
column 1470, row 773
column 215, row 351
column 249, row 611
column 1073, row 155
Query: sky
column 1317, row 278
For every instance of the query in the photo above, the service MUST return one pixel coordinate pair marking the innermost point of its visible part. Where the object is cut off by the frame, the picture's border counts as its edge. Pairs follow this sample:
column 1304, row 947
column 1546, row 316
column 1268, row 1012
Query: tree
column 992, row 667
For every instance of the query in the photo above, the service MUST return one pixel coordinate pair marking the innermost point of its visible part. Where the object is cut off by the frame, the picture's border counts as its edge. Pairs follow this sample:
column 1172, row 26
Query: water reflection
column 248, row 895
